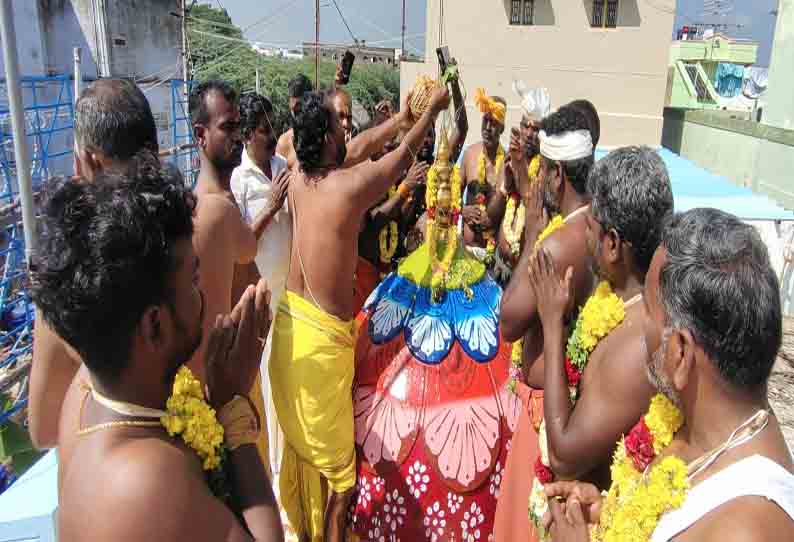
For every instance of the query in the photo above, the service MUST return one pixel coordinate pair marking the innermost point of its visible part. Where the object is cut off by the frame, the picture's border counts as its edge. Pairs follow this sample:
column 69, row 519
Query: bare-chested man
column 113, row 123
column 631, row 197
column 222, row 237
column 480, row 173
column 297, row 87
column 506, row 208
column 117, row 277
column 566, row 156
column 713, row 331
column 311, row 366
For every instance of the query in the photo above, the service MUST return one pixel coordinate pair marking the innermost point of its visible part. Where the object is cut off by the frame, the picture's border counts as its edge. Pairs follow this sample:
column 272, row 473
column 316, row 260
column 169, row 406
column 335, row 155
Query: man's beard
column 531, row 149
column 232, row 160
column 341, row 154
column 548, row 201
column 184, row 353
column 595, row 266
column 655, row 371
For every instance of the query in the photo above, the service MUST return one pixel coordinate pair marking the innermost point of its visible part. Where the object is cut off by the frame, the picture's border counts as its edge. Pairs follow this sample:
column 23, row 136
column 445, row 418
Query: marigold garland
column 189, row 415
column 441, row 266
column 498, row 163
column 640, row 495
column 554, row 224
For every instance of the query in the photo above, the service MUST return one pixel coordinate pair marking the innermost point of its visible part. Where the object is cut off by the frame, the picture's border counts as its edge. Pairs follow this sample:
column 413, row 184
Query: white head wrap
column 535, row 103
column 566, row 146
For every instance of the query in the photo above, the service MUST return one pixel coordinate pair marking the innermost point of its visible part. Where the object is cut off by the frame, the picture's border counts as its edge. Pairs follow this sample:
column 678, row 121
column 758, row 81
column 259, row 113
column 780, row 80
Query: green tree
column 218, row 50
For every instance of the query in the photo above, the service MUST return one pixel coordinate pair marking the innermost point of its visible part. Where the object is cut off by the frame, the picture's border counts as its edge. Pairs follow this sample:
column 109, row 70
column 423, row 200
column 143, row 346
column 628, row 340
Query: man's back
column 325, row 238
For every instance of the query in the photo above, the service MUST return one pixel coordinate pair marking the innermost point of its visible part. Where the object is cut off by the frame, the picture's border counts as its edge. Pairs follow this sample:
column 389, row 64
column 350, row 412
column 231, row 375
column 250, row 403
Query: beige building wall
column 623, row 70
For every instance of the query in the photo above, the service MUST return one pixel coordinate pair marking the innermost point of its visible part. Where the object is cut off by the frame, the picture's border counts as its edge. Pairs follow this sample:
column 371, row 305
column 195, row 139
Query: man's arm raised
column 370, row 141
column 53, row 369
column 373, row 180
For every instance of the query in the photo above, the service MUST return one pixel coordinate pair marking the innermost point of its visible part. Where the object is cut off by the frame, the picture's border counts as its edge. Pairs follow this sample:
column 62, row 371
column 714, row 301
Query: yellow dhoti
column 311, row 374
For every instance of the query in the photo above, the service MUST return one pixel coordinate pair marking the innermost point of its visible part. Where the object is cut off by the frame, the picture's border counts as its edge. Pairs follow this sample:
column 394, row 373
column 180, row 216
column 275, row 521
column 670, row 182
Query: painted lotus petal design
column 389, row 311
column 476, row 324
column 463, row 438
column 428, row 332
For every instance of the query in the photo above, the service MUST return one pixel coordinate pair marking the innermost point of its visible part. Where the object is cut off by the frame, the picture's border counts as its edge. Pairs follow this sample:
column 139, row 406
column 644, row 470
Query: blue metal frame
column 49, row 122
column 182, row 132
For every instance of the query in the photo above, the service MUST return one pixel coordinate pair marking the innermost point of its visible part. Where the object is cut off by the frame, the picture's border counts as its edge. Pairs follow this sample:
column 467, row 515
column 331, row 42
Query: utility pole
column 16, row 108
column 78, row 73
column 402, row 50
column 257, row 81
column 317, row 44
column 184, row 47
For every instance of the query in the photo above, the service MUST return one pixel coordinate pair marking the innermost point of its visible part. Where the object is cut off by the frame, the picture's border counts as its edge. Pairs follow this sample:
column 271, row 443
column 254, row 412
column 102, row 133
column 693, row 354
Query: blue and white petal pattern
column 394, row 300
column 476, row 320
column 428, row 332
column 398, row 305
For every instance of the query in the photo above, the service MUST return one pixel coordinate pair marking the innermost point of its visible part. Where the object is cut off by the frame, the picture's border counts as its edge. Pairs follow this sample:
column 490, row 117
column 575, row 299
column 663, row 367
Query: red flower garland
column 542, row 472
column 639, row 445
column 573, row 373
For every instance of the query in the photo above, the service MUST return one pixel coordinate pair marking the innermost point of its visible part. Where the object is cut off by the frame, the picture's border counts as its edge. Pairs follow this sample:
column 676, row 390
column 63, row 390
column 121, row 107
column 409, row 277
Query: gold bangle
column 240, row 421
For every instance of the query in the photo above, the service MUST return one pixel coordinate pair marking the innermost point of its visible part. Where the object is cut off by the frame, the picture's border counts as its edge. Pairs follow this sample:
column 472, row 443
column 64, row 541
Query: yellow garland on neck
column 388, row 237
column 603, row 312
column 498, row 163
column 636, row 500
column 533, row 168
column 189, row 415
column 554, row 224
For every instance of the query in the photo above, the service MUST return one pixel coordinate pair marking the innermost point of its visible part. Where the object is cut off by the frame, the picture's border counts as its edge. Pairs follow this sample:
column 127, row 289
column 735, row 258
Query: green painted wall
column 748, row 153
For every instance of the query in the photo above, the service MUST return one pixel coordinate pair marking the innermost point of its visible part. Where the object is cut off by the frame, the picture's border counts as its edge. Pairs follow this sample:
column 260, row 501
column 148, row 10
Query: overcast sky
column 290, row 22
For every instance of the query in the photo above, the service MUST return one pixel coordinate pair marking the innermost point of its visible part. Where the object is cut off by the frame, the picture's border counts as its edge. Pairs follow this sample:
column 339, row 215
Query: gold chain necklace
column 125, row 409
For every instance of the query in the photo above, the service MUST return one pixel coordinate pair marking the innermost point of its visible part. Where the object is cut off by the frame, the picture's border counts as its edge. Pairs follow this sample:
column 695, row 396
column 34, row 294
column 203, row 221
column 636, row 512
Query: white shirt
column 253, row 191
column 755, row 476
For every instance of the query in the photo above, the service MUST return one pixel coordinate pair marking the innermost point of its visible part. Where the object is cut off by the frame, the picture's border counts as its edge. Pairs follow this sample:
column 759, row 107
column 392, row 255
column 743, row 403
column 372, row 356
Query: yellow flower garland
column 441, row 266
column 637, row 500
column 533, row 168
column 602, row 313
column 500, row 160
column 554, row 224
column 189, row 415
column 388, row 237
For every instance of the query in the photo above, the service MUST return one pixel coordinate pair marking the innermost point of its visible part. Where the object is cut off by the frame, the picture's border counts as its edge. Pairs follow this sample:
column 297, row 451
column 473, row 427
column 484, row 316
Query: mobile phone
column 347, row 66
column 443, row 58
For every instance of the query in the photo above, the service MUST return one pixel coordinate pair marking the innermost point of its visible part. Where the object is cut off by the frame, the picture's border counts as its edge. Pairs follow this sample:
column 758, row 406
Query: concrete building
column 759, row 155
column 137, row 39
column 612, row 52
column 364, row 53
column 693, row 72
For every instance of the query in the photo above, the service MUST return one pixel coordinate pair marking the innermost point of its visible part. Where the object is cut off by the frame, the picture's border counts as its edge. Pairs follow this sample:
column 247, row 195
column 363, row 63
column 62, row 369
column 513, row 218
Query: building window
column 522, row 12
column 605, row 13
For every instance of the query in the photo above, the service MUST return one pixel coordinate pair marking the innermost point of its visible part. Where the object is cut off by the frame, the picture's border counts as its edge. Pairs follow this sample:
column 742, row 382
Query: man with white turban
column 507, row 209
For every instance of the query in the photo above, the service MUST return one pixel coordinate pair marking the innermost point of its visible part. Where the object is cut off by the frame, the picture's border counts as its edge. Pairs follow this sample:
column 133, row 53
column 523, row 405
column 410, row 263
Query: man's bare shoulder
column 284, row 141
column 567, row 247
column 745, row 519
column 153, row 485
column 212, row 207
column 619, row 363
